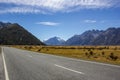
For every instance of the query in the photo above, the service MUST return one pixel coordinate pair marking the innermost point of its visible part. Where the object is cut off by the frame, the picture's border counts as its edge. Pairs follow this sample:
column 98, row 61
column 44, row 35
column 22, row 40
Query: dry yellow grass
column 106, row 54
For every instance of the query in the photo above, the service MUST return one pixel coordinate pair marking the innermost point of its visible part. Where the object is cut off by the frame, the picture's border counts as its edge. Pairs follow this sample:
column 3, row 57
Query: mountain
column 14, row 34
column 84, row 39
column 111, row 36
column 54, row 41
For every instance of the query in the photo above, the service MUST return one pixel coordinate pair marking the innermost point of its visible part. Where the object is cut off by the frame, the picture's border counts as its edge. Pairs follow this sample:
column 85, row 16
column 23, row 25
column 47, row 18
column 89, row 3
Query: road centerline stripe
column 5, row 67
column 29, row 55
column 69, row 69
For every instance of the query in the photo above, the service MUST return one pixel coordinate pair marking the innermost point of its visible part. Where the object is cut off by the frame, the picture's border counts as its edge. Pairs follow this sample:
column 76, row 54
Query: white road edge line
column 69, row 69
column 5, row 67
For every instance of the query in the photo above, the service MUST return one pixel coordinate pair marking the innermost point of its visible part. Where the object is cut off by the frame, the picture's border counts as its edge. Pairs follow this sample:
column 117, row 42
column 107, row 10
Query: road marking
column 98, row 63
column 93, row 62
column 5, row 67
column 69, row 69
column 30, row 56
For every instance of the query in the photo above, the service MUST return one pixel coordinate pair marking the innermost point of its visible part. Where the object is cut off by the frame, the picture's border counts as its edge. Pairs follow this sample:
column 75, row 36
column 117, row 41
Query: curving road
column 27, row 65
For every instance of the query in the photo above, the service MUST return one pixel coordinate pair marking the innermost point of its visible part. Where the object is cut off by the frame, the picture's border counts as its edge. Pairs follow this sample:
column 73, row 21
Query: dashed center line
column 69, row 69
column 30, row 56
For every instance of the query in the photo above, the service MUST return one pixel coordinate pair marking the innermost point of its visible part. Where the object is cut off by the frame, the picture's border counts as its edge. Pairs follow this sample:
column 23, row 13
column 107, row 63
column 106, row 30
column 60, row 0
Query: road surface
column 27, row 65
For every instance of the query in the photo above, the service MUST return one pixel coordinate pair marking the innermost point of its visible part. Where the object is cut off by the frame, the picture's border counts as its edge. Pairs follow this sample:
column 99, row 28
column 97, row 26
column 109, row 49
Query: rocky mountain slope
column 14, row 34
column 84, row 39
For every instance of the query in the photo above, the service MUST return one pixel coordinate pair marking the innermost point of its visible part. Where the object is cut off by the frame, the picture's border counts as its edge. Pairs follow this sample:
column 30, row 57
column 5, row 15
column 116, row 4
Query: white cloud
column 40, row 6
column 90, row 21
column 48, row 23
column 21, row 10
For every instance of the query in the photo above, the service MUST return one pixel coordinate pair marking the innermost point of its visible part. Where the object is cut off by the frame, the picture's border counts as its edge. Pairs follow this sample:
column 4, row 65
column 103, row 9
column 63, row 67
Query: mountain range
column 85, row 38
column 110, row 36
column 14, row 34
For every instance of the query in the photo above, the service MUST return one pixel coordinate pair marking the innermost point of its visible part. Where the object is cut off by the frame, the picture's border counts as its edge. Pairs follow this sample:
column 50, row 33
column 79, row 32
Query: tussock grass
column 106, row 54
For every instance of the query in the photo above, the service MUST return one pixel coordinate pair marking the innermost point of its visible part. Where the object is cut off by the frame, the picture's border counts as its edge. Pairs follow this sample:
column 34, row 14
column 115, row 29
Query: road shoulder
column 1, row 67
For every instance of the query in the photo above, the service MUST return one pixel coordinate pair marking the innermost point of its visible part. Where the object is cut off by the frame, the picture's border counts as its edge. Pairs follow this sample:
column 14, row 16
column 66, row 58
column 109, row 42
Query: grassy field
column 106, row 54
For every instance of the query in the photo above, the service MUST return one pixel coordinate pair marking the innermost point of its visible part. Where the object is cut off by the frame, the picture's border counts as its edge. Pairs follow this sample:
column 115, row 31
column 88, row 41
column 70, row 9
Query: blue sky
column 62, row 18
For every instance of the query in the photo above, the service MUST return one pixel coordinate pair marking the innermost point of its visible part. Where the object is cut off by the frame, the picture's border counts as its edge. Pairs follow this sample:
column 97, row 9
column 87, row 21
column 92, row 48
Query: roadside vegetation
column 106, row 54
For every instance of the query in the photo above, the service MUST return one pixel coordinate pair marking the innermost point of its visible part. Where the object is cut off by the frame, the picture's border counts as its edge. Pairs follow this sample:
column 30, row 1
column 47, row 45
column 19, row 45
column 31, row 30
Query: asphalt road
column 27, row 65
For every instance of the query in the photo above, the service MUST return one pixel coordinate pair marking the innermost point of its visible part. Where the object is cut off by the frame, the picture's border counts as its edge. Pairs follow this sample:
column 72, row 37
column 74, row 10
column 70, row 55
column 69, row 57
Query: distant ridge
column 85, row 38
column 111, row 36
column 14, row 34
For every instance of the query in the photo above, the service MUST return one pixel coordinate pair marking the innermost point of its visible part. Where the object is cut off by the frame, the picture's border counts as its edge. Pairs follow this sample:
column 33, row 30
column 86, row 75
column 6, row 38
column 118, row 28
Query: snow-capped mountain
column 54, row 41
